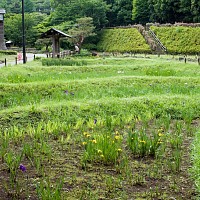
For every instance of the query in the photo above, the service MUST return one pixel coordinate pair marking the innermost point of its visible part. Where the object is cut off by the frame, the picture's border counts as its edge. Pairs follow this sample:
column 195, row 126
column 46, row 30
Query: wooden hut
column 55, row 35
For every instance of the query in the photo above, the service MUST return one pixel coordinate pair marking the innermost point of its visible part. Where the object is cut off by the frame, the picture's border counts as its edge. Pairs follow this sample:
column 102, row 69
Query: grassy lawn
column 113, row 128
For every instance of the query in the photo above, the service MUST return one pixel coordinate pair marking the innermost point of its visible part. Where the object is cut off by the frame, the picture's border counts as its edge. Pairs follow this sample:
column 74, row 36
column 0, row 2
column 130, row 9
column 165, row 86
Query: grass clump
column 102, row 147
column 195, row 155
column 62, row 62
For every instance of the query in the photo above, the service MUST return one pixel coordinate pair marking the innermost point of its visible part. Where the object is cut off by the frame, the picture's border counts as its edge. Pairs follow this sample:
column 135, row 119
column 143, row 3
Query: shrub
column 179, row 39
column 8, row 52
column 62, row 62
column 122, row 40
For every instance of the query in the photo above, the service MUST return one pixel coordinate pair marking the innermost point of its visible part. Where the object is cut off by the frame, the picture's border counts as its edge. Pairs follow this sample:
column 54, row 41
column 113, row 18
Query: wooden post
column 185, row 59
column 198, row 60
column 16, row 60
column 34, row 57
column 5, row 62
column 56, row 46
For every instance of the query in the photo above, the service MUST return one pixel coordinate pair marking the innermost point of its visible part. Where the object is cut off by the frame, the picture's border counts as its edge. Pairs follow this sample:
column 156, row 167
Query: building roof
column 2, row 11
column 54, row 32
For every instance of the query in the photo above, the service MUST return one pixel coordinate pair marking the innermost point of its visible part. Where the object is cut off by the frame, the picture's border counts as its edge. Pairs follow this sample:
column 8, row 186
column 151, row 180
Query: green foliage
column 8, row 52
column 120, row 12
column 43, row 6
column 70, row 11
column 179, row 40
column 122, row 40
column 14, row 6
column 195, row 9
column 81, row 30
column 143, row 144
column 102, row 147
column 45, row 190
column 81, row 123
column 159, row 71
column 195, row 155
column 62, row 62
column 165, row 11
column 140, row 11
column 13, row 28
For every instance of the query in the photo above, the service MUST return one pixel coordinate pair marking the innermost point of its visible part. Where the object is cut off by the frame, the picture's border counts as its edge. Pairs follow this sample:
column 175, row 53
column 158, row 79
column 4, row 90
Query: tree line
column 63, row 14
column 14, row 6
column 166, row 11
column 112, row 12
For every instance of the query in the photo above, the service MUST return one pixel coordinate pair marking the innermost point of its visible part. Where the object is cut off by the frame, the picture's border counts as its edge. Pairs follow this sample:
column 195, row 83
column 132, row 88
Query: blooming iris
column 99, row 151
column 143, row 141
column 117, row 137
column 94, row 141
column 22, row 168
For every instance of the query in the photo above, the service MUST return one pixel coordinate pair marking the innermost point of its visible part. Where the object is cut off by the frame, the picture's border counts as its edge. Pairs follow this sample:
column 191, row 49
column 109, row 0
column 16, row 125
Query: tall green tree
column 82, row 29
column 14, row 6
column 141, row 13
column 29, row 6
column 43, row 6
column 3, row 3
column 195, row 10
column 13, row 28
column 71, row 10
column 123, row 10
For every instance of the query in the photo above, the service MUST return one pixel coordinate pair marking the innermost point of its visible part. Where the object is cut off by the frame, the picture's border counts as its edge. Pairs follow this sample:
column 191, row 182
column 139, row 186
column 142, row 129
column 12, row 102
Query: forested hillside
column 113, row 12
column 14, row 6
column 167, row 11
column 64, row 15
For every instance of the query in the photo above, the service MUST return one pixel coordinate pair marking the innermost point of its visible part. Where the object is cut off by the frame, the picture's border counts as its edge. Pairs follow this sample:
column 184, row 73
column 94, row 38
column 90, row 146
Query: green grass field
column 114, row 128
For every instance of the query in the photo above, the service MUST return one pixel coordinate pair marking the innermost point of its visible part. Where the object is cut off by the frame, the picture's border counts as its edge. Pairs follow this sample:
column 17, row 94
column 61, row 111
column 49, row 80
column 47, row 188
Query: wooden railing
column 157, row 41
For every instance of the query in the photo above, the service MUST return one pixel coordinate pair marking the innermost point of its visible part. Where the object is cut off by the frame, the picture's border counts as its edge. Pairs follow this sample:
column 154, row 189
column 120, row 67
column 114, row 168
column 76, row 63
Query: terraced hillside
column 179, row 39
column 122, row 40
column 114, row 128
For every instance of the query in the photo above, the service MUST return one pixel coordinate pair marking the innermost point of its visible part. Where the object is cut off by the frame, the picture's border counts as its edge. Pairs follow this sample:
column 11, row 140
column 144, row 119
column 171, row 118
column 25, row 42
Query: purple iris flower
column 22, row 168
column 66, row 92
column 95, row 121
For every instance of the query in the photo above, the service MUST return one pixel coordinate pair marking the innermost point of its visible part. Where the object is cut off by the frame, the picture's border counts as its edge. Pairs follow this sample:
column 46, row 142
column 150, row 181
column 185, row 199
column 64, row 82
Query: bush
column 62, row 62
column 8, row 52
column 179, row 39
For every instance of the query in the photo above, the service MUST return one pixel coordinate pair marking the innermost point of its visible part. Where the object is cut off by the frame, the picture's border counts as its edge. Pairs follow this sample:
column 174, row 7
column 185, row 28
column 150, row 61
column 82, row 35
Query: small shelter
column 9, row 43
column 55, row 35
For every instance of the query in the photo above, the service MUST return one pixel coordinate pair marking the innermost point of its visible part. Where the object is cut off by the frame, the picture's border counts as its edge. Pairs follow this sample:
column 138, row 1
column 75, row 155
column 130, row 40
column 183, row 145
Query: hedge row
column 179, row 39
column 62, row 62
column 122, row 40
column 8, row 52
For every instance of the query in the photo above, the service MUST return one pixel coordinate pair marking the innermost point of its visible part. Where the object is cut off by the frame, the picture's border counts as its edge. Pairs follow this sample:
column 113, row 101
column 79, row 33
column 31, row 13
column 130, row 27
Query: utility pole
column 23, row 34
